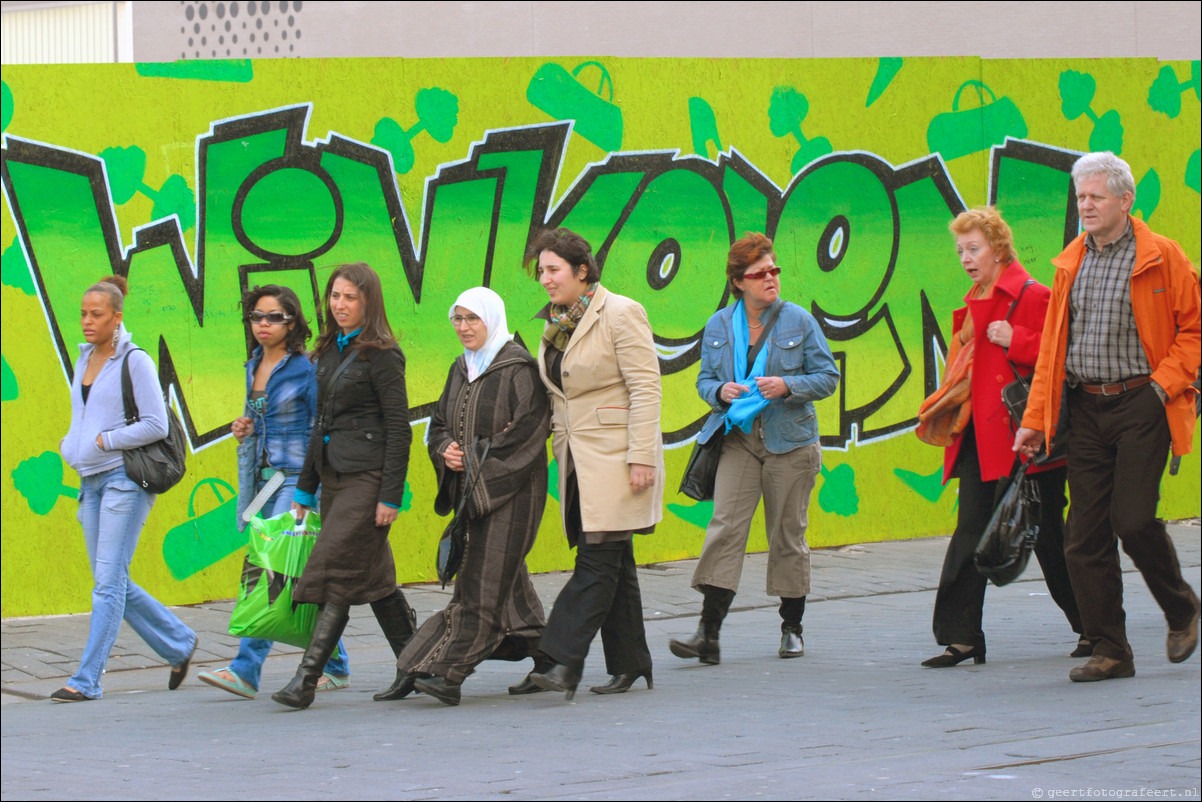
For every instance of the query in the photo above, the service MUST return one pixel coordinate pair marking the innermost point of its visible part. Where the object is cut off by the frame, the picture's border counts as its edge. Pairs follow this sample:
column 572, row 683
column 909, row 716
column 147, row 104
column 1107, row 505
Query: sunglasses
column 274, row 318
column 761, row 275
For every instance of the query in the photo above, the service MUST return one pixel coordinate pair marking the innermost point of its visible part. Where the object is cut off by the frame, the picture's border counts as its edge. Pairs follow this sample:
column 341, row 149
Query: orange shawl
column 946, row 412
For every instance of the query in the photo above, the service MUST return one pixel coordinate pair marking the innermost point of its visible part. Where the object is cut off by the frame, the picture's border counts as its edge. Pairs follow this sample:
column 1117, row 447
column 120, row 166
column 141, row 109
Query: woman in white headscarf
column 493, row 396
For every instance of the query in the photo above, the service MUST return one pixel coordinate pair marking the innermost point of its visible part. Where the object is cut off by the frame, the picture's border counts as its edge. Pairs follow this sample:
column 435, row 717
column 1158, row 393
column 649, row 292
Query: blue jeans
column 253, row 651
column 112, row 511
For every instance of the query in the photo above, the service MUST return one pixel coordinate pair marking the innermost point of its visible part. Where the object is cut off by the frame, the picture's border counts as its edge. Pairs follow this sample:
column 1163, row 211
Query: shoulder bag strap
column 1010, row 312
column 468, row 464
column 127, row 391
column 763, row 340
column 343, row 365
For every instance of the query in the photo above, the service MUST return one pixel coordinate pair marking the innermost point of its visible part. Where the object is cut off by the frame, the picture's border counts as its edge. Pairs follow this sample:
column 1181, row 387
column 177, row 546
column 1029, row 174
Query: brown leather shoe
column 1100, row 668
column 1180, row 643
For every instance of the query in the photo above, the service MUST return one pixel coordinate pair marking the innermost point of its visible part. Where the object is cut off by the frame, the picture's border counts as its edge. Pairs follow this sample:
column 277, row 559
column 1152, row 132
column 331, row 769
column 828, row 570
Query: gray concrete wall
column 165, row 31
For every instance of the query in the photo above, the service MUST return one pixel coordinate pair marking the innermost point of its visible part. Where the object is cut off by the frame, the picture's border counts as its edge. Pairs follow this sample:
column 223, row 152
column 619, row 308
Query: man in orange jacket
column 1120, row 349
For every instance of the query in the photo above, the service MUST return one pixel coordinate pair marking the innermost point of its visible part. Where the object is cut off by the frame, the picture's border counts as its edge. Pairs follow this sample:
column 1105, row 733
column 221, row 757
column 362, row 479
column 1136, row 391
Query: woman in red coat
column 1000, row 326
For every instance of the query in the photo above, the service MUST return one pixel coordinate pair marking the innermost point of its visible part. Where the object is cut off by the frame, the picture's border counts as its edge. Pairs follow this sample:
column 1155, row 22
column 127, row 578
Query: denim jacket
column 797, row 352
column 282, row 428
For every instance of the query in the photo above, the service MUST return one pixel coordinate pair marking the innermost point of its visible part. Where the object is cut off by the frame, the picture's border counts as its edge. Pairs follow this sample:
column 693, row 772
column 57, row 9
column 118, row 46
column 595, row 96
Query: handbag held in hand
column 1005, row 548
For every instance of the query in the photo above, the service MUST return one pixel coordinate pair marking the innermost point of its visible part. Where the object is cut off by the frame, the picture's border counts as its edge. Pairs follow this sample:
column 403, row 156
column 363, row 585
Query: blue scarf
column 744, row 409
column 345, row 339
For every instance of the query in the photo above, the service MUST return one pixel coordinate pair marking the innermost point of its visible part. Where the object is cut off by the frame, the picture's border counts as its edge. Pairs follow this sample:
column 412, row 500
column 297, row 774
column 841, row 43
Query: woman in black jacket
column 359, row 454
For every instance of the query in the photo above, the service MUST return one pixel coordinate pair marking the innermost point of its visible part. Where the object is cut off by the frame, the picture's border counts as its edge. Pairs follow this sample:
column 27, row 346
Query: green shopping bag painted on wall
column 960, row 132
column 276, row 553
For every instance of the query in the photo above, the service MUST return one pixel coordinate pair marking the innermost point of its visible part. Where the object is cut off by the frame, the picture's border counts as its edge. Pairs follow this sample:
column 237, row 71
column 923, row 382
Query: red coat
column 991, row 366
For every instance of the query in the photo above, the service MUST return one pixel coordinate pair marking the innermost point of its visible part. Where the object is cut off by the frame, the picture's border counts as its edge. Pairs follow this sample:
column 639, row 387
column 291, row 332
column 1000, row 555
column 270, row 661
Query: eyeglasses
column 274, row 318
column 459, row 320
column 762, row 274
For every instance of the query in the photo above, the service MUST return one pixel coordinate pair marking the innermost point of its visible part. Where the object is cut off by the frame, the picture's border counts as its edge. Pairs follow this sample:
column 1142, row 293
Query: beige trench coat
column 607, row 414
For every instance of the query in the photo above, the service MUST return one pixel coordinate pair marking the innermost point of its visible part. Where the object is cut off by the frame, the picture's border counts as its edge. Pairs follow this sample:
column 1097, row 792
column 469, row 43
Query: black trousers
column 960, row 600
column 1117, row 449
column 603, row 593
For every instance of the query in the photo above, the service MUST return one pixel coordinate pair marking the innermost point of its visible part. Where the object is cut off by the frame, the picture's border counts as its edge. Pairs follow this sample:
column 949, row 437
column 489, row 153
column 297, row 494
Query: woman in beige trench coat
column 598, row 361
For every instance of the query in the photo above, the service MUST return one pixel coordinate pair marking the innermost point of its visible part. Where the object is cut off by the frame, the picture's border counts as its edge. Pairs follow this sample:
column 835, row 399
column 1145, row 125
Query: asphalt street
column 855, row 718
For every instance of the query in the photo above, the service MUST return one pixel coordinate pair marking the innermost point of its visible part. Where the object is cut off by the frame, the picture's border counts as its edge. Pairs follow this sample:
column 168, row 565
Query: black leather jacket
column 363, row 423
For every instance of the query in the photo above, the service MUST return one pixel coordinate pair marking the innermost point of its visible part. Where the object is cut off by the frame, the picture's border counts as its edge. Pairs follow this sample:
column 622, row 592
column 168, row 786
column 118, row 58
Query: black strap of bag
column 127, row 391
column 468, row 467
column 453, row 544
column 325, row 403
column 1014, row 303
column 763, row 340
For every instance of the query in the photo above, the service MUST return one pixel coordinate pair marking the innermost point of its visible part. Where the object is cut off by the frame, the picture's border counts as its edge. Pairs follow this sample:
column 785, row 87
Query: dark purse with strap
column 1014, row 397
column 701, row 472
column 453, row 544
column 156, row 467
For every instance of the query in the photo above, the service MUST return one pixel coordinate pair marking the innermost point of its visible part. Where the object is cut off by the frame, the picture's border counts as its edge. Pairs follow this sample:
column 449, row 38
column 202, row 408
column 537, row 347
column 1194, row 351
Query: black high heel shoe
column 558, row 678
column 620, row 683
column 953, row 656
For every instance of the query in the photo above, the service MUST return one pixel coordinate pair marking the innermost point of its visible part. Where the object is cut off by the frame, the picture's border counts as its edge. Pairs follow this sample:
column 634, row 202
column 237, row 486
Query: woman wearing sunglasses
column 272, row 435
column 764, row 362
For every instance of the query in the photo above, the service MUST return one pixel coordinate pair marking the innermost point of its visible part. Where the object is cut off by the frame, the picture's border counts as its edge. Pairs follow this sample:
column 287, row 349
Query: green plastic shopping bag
column 276, row 553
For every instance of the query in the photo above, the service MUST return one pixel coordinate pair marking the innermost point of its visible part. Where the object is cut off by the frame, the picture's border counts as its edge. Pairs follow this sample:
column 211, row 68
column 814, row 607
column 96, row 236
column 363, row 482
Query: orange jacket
column 1165, row 300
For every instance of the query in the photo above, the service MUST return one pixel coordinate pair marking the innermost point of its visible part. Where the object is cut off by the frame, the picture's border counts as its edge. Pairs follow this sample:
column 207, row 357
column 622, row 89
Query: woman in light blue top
column 112, row 508
column 764, row 362
column 273, row 435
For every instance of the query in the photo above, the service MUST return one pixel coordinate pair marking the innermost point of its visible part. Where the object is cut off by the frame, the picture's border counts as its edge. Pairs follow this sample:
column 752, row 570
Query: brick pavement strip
column 856, row 717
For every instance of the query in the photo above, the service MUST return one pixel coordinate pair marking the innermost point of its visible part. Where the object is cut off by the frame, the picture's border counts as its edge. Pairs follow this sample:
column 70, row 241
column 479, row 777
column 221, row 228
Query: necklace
column 751, row 325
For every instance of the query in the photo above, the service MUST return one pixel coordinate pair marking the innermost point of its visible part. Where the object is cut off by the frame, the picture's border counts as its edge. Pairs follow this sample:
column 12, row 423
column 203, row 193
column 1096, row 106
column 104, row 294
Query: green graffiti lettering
column 856, row 236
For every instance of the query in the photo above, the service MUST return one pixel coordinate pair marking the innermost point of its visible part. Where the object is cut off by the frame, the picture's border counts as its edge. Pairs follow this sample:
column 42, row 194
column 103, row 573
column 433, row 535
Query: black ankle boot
column 397, row 619
column 542, row 664
column 401, row 687
column 791, row 611
column 441, row 689
column 331, row 621
column 704, row 642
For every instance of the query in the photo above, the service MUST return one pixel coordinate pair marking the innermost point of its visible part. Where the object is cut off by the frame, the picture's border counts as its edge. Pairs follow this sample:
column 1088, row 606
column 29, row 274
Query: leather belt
column 1116, row 388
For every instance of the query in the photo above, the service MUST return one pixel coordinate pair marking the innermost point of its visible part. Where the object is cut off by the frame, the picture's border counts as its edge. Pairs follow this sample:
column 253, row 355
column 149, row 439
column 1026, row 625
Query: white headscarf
column 491, row 309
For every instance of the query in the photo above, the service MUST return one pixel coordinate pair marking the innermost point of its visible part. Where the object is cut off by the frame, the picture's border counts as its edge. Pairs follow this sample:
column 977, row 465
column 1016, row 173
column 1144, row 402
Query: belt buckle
column 1122, row 387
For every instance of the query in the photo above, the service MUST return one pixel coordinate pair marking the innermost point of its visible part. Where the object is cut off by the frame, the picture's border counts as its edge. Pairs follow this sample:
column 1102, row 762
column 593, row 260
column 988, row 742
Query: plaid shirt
column 1104, row 345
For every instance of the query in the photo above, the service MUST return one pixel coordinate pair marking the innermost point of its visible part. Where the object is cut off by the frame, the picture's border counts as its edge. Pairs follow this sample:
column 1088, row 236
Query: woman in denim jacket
column 112, row 508
column 273, row 435
column 763, row 399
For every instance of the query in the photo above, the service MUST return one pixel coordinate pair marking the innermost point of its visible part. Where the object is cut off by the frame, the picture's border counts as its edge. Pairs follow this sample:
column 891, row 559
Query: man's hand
column 1028, row 442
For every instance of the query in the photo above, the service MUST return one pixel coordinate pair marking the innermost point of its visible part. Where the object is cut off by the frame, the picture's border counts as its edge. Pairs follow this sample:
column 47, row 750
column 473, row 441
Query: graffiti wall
column 201, row 179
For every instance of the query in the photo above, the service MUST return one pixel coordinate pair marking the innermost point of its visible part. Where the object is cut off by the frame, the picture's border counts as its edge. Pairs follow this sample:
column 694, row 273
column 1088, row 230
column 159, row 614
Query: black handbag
column 702, row 469
column 1014, row 398
column 453, row 544
column 1005, row 548
column 156, row 466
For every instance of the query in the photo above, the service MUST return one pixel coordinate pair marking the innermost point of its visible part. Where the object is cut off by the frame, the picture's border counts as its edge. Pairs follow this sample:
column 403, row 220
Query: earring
column 116, row 337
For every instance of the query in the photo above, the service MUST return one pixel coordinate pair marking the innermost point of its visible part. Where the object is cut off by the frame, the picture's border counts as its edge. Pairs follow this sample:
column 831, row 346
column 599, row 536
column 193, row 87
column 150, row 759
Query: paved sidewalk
column 856, row 717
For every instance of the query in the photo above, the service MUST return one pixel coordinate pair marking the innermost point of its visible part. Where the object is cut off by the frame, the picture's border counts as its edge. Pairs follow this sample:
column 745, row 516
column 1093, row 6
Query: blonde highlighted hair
column 989, row 222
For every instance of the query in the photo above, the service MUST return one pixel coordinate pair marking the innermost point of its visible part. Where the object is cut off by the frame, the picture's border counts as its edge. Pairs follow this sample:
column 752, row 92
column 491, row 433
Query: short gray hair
column 1118, row 173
